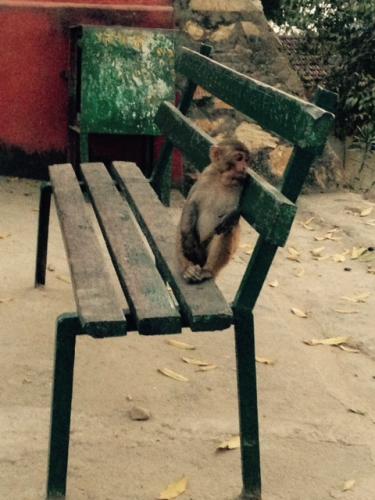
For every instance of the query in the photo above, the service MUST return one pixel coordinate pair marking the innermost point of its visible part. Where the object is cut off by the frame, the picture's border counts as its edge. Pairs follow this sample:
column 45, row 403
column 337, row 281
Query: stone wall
column 243, row 40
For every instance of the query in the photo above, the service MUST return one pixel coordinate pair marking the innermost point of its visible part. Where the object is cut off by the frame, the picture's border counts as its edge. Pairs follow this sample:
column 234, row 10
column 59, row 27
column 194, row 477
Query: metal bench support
column 67, row 327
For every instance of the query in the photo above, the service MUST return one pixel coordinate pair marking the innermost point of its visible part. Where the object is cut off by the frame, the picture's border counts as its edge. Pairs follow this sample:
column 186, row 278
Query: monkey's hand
column 195, row 274
column 228, row 222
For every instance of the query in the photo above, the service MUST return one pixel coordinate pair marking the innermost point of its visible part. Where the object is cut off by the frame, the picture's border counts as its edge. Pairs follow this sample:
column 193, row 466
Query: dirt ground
column 316, row 403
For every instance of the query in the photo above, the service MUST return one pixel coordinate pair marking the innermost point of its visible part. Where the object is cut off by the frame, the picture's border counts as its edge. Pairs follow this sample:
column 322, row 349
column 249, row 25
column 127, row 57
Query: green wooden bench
column 122, row 190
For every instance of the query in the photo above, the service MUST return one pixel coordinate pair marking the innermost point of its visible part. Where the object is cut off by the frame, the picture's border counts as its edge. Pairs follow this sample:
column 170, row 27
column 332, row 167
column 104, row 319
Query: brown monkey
column 208, row 232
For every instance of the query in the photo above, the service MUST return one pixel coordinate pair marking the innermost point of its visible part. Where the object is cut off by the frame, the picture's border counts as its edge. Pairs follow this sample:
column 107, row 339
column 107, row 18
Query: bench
column 120, row 192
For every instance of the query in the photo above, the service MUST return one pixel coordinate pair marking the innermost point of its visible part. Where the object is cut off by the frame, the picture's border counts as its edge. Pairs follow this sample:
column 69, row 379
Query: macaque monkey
column 208, row 232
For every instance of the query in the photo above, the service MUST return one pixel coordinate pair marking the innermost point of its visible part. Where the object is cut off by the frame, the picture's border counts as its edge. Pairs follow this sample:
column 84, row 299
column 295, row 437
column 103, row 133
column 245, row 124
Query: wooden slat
column 145, row 291
column 203, row 306
column 262, row 205
column 98, row 307
column 292, row 118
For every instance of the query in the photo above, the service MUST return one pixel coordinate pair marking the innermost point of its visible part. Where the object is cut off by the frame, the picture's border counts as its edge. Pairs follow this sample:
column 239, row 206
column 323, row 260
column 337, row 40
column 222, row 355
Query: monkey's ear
column 215, row 153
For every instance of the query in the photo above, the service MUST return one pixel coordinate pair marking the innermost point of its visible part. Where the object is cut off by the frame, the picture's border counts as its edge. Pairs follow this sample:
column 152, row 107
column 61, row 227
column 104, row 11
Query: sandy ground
column 316, row 403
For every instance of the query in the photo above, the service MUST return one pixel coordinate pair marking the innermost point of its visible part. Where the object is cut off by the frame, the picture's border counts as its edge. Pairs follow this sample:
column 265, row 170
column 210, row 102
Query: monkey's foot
column 195, row 274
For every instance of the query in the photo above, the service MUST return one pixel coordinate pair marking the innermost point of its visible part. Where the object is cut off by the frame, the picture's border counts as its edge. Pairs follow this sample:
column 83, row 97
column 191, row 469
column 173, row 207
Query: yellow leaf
column 180, row 345
column 173, row 490
column 230, row 444
column 308, row 221
column 346, row 311
column 348, row 485
column 335, row 341
column 339, row 257
column 6, row 299
column 361, row 297
column 367, row 256
column 292, row 251
column 316, row 252
column 357, row 252
column 298, row 312
column 366, row 212
column 63, row 278
column 346, row 348
column 356, row 411
column 273, row 284
column 295, row 258
column 206, row 368
column 264, row 361
column 171, row 374
column 193, row 361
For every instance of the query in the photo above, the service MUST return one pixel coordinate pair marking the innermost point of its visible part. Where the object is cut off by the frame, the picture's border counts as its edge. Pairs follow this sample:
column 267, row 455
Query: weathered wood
column 297, row 121
column 203, row 306
column 262, row 205
column 145, row 291
column 99, row 309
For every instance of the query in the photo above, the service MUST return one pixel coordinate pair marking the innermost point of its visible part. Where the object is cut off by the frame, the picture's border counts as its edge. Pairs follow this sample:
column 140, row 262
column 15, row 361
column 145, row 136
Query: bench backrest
column 305, row 125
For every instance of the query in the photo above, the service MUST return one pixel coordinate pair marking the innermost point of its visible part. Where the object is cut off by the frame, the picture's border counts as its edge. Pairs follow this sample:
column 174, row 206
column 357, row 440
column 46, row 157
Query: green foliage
column 342, row 33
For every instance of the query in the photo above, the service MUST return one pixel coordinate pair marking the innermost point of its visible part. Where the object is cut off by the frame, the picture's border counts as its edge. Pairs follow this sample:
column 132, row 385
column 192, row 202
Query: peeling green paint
column 126, row 74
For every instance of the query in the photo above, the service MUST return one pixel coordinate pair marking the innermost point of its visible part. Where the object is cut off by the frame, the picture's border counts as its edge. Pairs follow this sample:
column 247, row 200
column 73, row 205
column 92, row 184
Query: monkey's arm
column 190, row 243
column 228, row 222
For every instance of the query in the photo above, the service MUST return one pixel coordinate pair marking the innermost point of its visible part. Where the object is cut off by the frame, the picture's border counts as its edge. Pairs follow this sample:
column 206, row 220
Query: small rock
column 139, row 413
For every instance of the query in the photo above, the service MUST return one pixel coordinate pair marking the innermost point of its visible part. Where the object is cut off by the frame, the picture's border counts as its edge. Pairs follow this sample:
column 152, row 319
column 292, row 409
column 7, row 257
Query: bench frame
column 70, row 325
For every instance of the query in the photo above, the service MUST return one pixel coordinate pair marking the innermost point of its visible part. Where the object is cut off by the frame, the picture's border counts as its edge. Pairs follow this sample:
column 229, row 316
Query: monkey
column 208, row 232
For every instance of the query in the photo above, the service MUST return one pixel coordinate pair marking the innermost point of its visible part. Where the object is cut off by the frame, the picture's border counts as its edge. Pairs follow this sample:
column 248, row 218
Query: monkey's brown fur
column 208, row 232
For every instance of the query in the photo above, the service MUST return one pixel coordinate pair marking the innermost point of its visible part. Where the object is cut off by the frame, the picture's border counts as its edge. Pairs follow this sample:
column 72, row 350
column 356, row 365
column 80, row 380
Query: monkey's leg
column 220, row 251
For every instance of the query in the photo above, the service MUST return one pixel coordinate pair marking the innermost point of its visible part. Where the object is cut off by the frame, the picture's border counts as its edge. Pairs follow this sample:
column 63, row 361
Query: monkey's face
column 234, row 166
column 232, row 160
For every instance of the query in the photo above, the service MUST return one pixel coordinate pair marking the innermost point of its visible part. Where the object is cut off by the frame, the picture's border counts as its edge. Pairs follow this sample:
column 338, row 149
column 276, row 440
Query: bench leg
column 67, row 328
column 41, row 251
column 248, row 407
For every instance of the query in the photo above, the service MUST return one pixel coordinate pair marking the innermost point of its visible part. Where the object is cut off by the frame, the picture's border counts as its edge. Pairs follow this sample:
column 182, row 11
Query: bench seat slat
column 99, row 309
column 203, row 306
column 145, row 291
column 302, row 123
column 262, row 205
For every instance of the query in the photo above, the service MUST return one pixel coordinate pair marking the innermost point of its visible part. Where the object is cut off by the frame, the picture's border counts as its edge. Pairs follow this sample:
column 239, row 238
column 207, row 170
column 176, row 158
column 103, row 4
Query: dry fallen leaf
column 357, row 252
column 171, row 374
column 317, row 252
column 193, row 361
column 206, row 368
column 346, row 311
column 3, row 236
column 356, row 411
column 4, row 300
column 180, row 345
column 298, row 312
column 230, row 444
column 273, row 284
column 63, row 278
column 361, row 297
column 370, row 222
column 346, row 348
column 264, row 361
column 367, row 256
column 293, row 251
column 339, row 257
column 348, row 485
column 335, row 341
column 366, row 212
column 173, row 490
